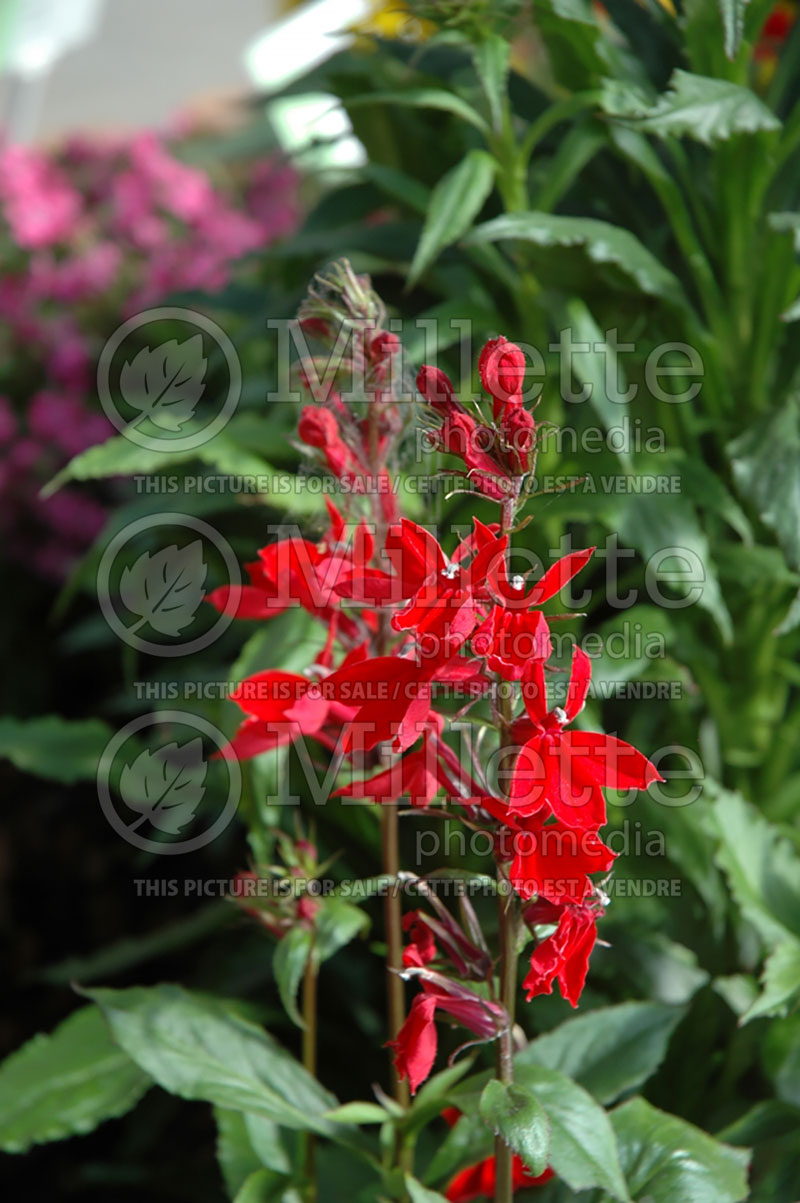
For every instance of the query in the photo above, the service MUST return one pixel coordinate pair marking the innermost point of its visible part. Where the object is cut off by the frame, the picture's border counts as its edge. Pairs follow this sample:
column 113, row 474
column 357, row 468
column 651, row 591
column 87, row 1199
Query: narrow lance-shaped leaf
column 602, row 243
column 456, row 201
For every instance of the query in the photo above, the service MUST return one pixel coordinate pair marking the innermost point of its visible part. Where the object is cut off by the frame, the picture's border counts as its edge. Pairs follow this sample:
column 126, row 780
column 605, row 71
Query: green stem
column 309, row 1004
column 507, row 927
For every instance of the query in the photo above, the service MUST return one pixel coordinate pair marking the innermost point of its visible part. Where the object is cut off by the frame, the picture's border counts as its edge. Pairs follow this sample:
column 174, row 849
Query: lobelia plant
column 407, row 623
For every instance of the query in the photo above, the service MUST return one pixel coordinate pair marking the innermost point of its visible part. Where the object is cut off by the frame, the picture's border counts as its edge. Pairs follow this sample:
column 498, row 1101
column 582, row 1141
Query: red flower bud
column 519, row 432
column 319, row 428
column 437, row 389
column 502, row 371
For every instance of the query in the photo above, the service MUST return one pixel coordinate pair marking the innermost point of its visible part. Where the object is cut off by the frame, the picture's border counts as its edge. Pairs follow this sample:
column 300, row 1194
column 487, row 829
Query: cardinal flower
column 564, row 955
column 548, row 859
column 564, row 770
column 416, row 1042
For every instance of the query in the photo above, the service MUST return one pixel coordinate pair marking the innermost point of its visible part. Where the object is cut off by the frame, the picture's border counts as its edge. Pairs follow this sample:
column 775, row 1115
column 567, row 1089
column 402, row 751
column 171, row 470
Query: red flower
column 510, row 639
column 448, row 604
column 564, row 955
column 413, row 776
column 478, row 1181
column 564, row 770
column 416, row 1042
column 549, row 860
column 510, row 591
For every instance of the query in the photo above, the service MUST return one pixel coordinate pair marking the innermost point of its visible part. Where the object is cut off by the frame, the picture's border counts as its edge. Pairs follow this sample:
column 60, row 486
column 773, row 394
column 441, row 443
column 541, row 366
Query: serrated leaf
column 766, row 468
column 582, row 1146
column 602, row 242
column 762, row 868
column 780, row 982
column 455, row 202
column 512, row 1112
column 666, row 1159
column 198, row 1047
column 66, row 1083
column 164, row 383
column 608, row 1051
column 423, row 98
column 166, row 786
column 164, row 589
column 54, row 747
column 288, row 965
column 491, row 56
column 700, row 107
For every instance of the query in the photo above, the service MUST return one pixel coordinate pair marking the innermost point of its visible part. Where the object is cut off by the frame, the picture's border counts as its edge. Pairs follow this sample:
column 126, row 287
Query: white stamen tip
column 518, row 582
column 450, row 571
column 560, row 714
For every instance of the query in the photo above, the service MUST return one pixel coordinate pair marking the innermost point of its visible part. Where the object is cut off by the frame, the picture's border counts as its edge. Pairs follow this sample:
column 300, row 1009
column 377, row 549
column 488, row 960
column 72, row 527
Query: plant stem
column 507, row 928
column 395, row 997
column 310, row 1062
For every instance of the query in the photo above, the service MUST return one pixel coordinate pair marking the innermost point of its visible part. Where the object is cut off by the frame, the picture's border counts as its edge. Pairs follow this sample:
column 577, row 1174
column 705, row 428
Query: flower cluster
column 91, row 233
column 410, row 626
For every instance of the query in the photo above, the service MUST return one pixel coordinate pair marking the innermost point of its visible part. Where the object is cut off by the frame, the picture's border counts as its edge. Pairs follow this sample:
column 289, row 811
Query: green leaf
column 657, row 523
column 762, row 868
column 732, row 13
column 66, row 1083
column 602, row 243
column 54, row 747
column 694, row 106
column 423, row 98
column 455, row 203
column 264, row 1186
column 246, row 1144
column 197, row 1047
column 288, row 965
column 491, row 57
column 582, row 1146
column 359, row 1113
column 337, row 923
column 421, row 1194
column 467, row 1141
column 119, row 456
column 593, row 369
column 608, row 1051
column 780, row 983
column 511, row 1111
column 667, row 1159
column 766, row 468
